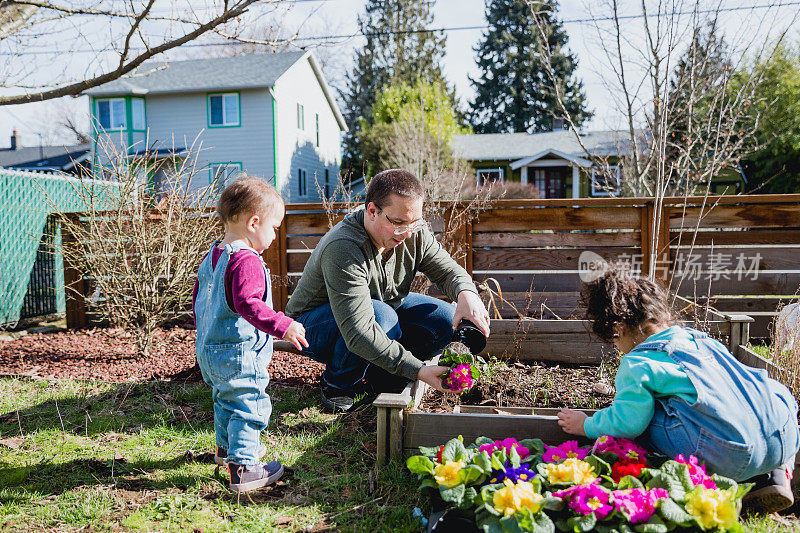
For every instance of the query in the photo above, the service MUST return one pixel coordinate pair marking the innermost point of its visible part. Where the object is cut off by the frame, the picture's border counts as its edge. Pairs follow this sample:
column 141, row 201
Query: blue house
column 270, row 115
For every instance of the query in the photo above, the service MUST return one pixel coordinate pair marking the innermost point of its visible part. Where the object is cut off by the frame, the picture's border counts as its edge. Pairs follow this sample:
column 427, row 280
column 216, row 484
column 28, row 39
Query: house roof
column 44, row 158
column 514, row 146
column 201, row 75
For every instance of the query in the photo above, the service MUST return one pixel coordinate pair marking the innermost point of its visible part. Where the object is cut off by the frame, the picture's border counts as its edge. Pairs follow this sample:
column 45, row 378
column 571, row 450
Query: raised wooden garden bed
column 403, row 426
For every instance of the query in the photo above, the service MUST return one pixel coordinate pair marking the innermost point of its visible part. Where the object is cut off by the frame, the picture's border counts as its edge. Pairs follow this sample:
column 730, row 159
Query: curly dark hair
column 618, row 296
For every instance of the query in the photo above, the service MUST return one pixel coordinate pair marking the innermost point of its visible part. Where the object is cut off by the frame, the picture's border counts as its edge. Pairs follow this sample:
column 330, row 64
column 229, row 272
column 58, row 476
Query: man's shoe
column 244, row 478
column 222, row 454
column 772, row 492
column 337, row 400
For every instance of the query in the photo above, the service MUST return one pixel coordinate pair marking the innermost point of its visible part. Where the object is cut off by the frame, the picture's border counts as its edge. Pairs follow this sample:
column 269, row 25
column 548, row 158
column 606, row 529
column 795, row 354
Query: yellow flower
column 513, row 498
column 712, row 507
column 572, row 470
column 446, row 474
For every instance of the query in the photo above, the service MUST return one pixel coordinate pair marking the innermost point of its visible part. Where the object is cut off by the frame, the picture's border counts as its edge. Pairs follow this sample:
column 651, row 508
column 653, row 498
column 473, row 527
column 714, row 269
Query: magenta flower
column 638, row 505
column 505, row 444
column 586, row 499
column 459, row 379
column 624, row 449
column 556, row 454
column 697, row 472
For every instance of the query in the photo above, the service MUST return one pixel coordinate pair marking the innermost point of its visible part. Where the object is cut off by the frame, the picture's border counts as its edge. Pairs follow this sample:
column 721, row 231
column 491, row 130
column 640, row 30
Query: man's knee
column 386, row 318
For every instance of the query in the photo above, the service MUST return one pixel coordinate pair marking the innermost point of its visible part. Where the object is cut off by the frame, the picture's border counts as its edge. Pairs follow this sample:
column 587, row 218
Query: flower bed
column 613, row 485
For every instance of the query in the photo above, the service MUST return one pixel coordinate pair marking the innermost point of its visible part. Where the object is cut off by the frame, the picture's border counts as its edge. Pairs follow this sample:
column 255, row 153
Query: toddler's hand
column 296, row 334
column 572, row 421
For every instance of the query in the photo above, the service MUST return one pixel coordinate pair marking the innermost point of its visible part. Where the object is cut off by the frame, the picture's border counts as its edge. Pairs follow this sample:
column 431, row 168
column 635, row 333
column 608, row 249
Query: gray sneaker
column 222, row 454
column 772, row 492
column 244, row 478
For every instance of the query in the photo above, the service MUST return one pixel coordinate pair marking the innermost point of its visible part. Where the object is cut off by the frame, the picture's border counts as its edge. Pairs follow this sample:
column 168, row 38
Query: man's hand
column 432, row 375
column 471, row 307
column 296, row 334
column 572, row 421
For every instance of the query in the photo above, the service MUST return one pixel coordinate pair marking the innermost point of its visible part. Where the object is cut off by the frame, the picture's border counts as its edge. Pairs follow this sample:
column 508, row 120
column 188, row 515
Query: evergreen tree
column 514, row 92
column 395, row 51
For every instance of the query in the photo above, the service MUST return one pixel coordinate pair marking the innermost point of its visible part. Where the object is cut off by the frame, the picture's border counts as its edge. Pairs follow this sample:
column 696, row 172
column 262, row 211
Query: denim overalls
column 742, row 424
column 233, row 357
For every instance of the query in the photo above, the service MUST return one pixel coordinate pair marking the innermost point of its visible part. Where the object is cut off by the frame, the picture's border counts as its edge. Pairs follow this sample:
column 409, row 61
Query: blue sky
column 339, row 17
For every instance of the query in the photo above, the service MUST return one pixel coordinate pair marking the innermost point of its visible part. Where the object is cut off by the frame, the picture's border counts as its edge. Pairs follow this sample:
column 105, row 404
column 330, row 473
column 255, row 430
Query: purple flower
column 570, row 449
column 515, row 475
column 505, row 444
column 586, row 499
column 638, row 505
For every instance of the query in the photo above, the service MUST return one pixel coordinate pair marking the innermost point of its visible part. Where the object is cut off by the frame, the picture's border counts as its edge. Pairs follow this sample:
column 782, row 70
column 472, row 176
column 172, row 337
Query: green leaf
column 654, row 525
column 679, row 471
column 428, row 482
column 630, row 482
column 482, row 461
column 490, row 524
column 429, row 452
column 543, row 524
column 674, row 513
column 582, row 524
column 419, row 464
column 470, row 496
column 514, row 457
column 534, row 445
column 663, row 480
column 498, row 460
column 471, row 474
column 453, row 450
column 562, row 525
column 599, row 465
column 725, row 483
column 743, row 489
column 551, row 503
column 452, row 494
column 510, row 524
column 480, row 441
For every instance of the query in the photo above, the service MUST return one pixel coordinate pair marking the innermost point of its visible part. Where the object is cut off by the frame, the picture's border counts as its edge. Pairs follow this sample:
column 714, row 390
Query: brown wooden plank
column 538, row 411
column 765, row 284
column 537, row 282
column 432, row 429
column 74, row 287
column 583, row 350
column 557, row 218
column 296, row 261
column 737, row 258
column 307, row 242
column 736, row 216
column 382, row 435
column 751, row 358
column 562, row 304
column 739, row 305
column 309, row 223
column 735, row 237
column 542, row 259
column 275, row 258
column 557, row 239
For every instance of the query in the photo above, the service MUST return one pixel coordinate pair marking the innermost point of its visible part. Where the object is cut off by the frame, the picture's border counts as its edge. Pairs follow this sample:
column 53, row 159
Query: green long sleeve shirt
column 347, row 270
column 642, row 377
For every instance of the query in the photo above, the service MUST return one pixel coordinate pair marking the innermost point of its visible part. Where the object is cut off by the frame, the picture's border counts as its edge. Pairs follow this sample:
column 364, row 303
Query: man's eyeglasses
column 405, row 228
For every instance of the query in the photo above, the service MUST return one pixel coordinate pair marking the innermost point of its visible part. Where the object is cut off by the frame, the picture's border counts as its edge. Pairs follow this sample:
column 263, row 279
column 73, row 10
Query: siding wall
column 297, row 148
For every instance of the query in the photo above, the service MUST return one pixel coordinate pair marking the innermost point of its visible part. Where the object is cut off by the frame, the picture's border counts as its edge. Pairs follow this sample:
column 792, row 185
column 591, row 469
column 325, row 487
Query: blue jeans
column 242, row 407
column 422, row 324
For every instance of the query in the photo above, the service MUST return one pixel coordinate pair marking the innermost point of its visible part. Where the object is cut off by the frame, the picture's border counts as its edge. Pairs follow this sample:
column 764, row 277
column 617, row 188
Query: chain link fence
column 31, row 267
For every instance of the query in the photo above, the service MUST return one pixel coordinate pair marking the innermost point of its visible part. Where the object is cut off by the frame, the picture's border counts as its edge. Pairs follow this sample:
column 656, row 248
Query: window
column 487, row 175
column 606, row 183
column 317, row 120
column 221, row 174
column 137, row 113
column 223, row 110
column 327, row 185
column 111, row 113
column 301, row 117
column 301, row 182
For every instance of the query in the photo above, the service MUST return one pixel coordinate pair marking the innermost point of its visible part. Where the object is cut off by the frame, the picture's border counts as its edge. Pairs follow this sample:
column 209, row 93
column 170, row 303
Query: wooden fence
column 740, row 254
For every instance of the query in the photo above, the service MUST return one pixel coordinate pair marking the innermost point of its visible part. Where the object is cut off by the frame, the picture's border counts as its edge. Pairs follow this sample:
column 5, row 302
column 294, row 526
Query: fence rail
column 739, row 254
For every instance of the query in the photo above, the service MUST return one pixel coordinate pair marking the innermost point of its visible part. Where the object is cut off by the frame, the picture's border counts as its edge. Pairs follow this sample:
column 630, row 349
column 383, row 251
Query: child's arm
column 245, row 280
column 633, row 406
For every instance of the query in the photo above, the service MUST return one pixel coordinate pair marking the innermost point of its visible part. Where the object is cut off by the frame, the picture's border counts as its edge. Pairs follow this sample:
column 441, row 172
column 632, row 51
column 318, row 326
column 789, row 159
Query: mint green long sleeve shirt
column 642, row 377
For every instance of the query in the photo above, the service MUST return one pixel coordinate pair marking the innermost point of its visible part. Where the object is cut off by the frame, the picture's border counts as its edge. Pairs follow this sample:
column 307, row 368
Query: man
column 354, row 300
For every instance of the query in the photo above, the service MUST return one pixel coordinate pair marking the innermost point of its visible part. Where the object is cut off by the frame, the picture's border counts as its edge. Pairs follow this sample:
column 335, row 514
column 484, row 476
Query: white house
column 270, row 115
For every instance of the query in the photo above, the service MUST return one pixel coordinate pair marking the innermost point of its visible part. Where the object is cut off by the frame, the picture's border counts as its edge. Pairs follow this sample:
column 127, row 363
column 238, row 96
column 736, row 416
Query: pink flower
column 624, row 449
column 697, row 472
column 586, row 499
column 459, row 379
column 638, row 505
column 505, row 444
column 556, row 454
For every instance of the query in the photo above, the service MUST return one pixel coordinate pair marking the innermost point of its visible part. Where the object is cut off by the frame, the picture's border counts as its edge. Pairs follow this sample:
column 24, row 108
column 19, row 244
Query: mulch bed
column 527, row 384
column 108, row 354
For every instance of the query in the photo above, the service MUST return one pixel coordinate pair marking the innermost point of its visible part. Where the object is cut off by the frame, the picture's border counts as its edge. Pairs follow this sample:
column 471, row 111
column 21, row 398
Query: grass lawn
column 96, row 456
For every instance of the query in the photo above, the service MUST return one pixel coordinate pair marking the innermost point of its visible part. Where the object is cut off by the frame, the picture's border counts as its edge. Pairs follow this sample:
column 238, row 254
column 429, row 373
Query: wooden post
column 74, row 285
column 381, row 451
column 740, row 331
column 655, row 242
column 276, row 260
column 390, row 408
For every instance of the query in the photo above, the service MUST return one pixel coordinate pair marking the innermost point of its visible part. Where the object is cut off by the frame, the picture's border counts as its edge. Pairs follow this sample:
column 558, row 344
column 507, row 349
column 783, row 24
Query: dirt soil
column 531, row 385
column 110, row 355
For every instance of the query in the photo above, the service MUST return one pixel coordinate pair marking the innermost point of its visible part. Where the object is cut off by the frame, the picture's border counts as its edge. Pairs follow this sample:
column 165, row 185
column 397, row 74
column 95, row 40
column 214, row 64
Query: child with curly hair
column 678, row 391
